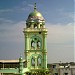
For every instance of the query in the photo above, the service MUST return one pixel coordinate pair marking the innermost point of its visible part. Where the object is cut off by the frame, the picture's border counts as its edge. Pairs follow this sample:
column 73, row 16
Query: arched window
column 32, row 44
column 38, row 44
column 35, row 26
column 41, row 26
column 33, row 61
column 35, row 43
column 39, row 61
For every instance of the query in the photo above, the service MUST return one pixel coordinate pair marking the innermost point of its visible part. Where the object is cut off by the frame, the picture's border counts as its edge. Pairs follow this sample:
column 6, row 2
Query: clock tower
column 35, row 42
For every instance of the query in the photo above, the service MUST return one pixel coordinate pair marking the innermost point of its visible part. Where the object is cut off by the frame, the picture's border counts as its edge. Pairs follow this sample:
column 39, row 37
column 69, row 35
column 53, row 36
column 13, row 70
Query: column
column 35, row 61
column 45, row 51
column 38, row 25
column 26, row 42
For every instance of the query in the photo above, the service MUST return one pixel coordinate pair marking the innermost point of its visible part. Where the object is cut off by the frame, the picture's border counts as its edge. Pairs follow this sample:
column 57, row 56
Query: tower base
column 38, row 72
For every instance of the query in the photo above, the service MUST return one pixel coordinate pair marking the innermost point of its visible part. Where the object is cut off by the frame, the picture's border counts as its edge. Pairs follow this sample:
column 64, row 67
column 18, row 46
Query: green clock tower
column 35, row 43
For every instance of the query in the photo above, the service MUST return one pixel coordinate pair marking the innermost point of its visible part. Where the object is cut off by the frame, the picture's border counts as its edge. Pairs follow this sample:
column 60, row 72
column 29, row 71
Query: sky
column 59, row 17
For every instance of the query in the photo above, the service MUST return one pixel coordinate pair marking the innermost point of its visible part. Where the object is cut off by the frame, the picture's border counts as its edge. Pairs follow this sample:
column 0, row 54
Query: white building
column 62, row 68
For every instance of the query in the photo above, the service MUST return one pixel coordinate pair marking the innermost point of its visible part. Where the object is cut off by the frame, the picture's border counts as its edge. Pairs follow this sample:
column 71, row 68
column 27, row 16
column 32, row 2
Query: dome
column 35, row 19
column 35, row 13
column 20, row 59
column 35, row 16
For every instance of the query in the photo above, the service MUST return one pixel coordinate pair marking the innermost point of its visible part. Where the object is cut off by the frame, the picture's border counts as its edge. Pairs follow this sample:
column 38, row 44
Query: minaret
column 35, row 42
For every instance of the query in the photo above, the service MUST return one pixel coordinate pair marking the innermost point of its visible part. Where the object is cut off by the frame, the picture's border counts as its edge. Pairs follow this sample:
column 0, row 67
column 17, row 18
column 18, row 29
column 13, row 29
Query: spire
column 35, row 7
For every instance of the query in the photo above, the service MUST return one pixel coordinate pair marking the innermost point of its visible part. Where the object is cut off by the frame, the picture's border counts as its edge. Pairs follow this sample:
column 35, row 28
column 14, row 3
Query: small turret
column 20, row 65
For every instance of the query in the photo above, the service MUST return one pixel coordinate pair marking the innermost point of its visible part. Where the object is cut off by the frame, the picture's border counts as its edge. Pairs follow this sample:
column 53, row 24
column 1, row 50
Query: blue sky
column 59, row 16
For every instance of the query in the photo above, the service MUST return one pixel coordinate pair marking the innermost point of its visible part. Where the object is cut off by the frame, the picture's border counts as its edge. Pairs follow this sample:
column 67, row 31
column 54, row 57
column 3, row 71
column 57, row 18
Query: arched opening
column 39, row 61
column 33, row 61
column 32, row 44
column 35, row 43
column 41, row 26
column 38, row 44
column 35, row 26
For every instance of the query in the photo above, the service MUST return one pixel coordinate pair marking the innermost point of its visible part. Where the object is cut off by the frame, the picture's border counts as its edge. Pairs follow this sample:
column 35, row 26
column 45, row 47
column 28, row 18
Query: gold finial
column 34, row 6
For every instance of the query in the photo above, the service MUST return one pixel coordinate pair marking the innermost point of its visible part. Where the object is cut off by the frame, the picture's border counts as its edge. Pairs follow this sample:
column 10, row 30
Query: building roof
column 10, row 61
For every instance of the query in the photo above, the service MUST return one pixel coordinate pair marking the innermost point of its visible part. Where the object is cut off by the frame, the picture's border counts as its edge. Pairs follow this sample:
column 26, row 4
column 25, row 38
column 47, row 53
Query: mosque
column 35, row 62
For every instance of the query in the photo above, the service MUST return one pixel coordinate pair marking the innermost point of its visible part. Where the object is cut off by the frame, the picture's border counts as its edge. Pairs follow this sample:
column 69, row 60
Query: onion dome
column 35, row 17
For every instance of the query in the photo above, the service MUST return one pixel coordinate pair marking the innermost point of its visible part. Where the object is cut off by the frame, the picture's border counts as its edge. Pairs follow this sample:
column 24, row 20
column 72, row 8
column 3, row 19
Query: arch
column 32, row 44
column 33, row 61
column 32, row 57
column 41, row 26
column 35, row 26
column 36, row 42
column 39, row 60
column 36, row 58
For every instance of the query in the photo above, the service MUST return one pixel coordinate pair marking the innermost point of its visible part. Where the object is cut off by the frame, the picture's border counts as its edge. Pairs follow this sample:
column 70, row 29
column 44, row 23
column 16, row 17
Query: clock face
column 36, row 43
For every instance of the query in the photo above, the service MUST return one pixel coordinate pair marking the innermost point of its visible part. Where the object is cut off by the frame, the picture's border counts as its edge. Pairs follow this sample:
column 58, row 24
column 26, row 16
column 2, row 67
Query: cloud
column 5, row 25
column 59, row 33
column 59, row 40
column 3, row 21
column 17, row 9
column 10, row 30
column 30, row 5
column 6, row 10
column 11, row 39
column 66, row 14
column 24, row 6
